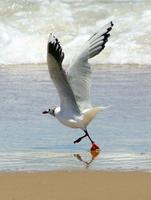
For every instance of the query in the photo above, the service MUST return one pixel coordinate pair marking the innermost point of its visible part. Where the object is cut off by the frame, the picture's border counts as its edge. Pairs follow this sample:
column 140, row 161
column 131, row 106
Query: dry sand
column 79, row 185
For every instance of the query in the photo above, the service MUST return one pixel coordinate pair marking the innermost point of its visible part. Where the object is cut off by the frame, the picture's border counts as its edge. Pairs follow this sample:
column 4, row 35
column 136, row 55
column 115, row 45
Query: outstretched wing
column 55, row 57
column 79, row 73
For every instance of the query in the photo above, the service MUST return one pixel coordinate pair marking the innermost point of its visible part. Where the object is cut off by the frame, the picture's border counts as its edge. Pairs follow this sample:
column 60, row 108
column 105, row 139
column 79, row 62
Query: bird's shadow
column 88, row 162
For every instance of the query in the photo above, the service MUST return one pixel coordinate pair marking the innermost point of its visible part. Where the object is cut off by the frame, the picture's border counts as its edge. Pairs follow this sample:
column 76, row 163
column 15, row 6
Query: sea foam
column 25, row 27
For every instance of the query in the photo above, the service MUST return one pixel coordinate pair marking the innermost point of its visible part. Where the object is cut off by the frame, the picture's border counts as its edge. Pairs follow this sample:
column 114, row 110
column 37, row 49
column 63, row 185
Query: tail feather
column 90, row 114
column 102, row 108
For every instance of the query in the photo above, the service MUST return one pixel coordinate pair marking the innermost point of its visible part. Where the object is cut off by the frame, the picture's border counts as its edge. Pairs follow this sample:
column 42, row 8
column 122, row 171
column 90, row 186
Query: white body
column 77, row 121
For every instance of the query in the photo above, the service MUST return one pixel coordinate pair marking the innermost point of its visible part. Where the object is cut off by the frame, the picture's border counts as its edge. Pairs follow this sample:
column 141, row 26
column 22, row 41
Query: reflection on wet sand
column 93, row 155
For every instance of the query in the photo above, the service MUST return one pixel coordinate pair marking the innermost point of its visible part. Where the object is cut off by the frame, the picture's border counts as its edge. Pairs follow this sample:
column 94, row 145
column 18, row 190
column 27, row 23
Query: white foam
column 26, row 161
column 25, row 28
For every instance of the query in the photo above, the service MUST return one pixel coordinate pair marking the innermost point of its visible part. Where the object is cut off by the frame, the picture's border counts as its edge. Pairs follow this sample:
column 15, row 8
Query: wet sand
column 75, row 185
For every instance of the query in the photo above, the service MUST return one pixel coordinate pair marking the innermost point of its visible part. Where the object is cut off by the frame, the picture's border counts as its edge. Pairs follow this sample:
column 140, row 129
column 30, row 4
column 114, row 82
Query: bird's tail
column 102, row 108
column 90, row 114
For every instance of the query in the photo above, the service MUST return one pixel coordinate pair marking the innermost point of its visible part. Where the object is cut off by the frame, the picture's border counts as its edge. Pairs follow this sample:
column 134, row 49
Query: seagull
column 73, row 84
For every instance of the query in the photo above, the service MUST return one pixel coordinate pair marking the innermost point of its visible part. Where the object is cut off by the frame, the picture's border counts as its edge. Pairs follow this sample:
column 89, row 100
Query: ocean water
column 32, row 141
column 121, row 78
column 26, row 24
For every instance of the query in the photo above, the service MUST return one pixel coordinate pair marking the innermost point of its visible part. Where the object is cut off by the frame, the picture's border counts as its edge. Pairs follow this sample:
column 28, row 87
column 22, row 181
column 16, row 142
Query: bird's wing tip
column 112, row 24
column 52, row 38
column 54, row 48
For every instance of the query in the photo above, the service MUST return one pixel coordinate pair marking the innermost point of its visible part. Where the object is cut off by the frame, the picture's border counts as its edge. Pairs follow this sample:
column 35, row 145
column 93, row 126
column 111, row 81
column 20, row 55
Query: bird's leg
column 86, row 135
column 79, row 139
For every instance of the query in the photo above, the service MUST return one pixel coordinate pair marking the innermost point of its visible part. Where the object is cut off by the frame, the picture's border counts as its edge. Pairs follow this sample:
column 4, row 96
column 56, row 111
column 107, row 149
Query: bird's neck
column 57, row 110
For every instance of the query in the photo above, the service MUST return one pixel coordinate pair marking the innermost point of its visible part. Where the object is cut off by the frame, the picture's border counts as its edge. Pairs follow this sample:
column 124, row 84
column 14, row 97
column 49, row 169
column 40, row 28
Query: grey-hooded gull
column 73, row 85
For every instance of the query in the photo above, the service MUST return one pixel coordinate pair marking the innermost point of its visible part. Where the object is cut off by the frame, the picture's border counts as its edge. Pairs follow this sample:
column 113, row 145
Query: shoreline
column 75, row 185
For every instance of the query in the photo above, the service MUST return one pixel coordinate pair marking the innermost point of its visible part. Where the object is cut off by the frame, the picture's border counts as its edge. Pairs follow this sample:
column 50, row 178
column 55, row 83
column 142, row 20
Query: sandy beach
column 81, row 185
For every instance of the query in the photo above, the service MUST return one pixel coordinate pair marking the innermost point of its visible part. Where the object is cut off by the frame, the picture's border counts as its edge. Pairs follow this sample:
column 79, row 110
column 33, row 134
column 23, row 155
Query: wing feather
column 55, row 57
column 79, row 73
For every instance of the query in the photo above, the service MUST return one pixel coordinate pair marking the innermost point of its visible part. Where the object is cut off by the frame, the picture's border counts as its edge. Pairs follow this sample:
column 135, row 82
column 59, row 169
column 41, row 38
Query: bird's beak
column 45, row 112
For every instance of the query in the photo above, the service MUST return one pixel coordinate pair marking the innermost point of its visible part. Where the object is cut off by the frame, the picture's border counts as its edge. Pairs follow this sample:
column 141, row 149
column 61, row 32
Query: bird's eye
column 49, row 109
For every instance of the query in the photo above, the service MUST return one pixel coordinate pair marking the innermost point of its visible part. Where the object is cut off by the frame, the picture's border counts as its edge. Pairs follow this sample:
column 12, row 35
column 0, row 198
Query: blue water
column 32, row 141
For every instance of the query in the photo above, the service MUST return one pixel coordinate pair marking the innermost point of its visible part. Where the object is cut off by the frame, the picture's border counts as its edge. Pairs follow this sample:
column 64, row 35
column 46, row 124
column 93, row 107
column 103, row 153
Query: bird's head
column 50, row 111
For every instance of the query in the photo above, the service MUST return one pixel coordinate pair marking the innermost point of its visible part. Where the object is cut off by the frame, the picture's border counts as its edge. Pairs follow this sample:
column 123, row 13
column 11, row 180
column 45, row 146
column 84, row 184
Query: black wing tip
column 110, row 28
column 106, row 35
column 54, row 48
column 111, row 23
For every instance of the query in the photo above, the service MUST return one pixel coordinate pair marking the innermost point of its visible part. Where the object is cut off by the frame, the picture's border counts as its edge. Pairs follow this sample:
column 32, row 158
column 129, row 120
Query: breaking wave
column 26, row 24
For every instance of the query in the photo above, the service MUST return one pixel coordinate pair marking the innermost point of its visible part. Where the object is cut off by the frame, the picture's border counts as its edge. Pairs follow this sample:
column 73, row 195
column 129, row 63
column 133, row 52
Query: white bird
column 73, row 85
